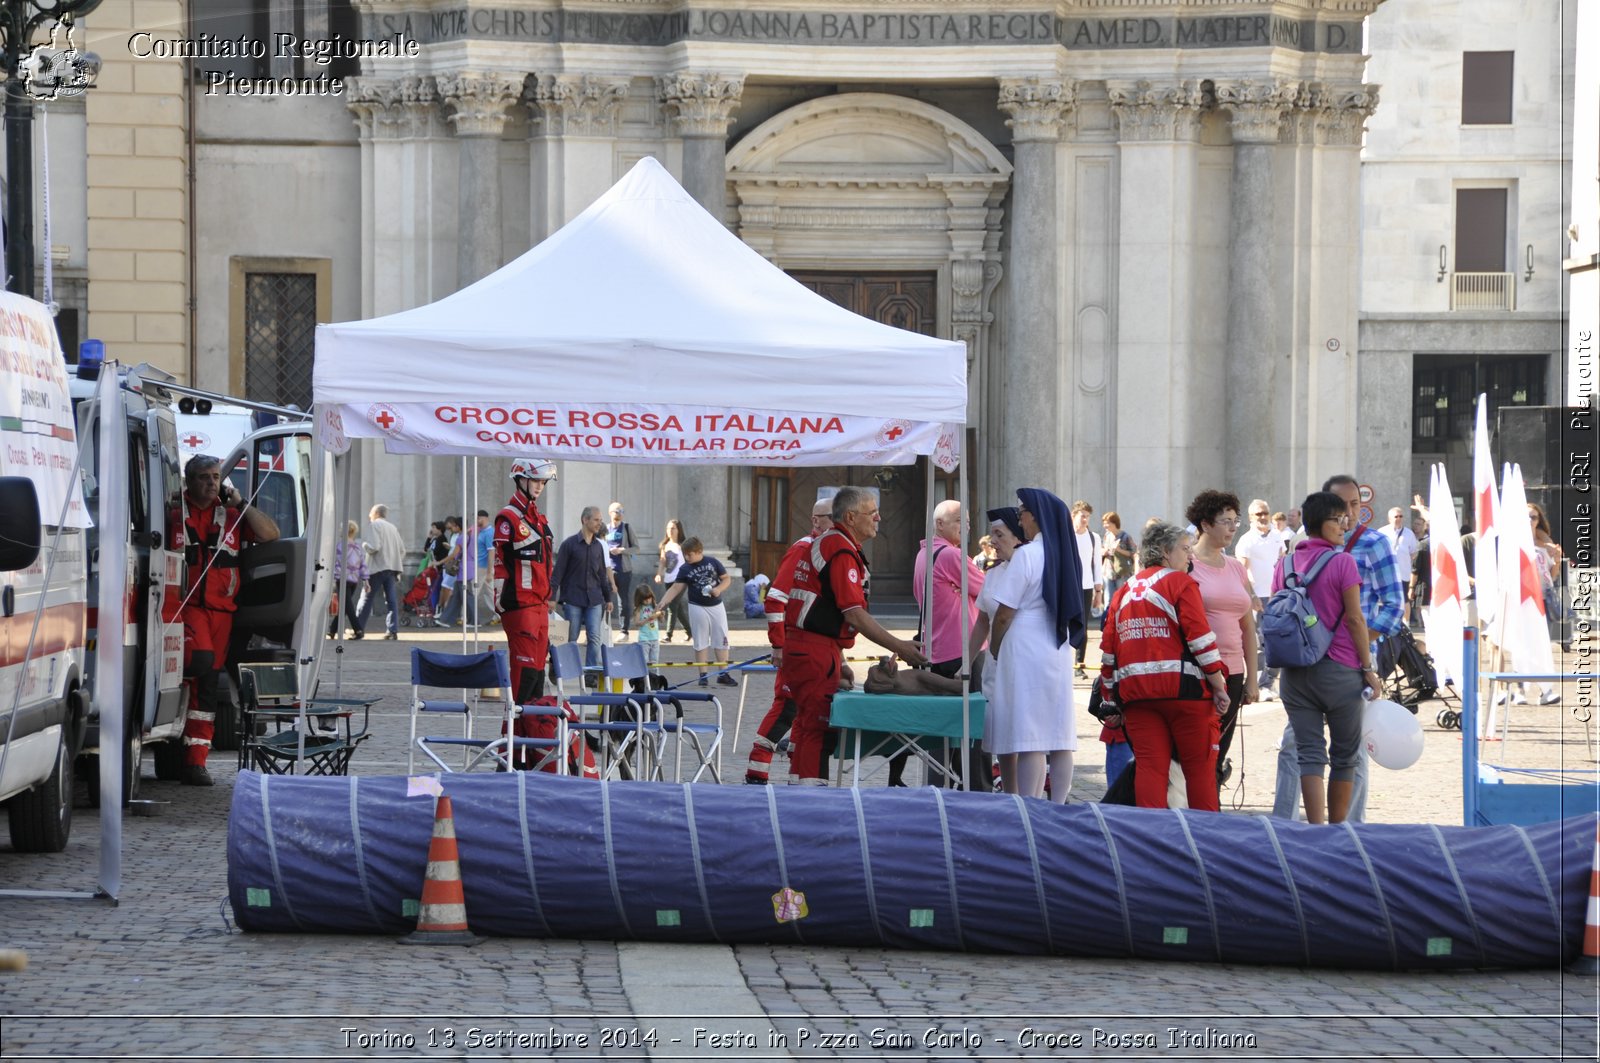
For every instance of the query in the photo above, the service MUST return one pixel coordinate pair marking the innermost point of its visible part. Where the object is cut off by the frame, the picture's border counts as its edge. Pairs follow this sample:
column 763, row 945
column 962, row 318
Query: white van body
column 43, row 598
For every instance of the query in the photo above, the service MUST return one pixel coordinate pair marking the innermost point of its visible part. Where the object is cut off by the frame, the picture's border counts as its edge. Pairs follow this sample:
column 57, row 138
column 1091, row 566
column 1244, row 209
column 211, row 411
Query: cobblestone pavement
column 106, row 982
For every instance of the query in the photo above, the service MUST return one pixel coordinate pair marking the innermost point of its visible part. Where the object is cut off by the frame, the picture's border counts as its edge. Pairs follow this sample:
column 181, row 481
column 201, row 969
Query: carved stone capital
column 1257, row 107
column 1343, row 116
column 376, row 104
column 480, row 103
column 1037, row 107
column 1147, row 111
column 972, row 281
column 582, row 105
column 700, row 105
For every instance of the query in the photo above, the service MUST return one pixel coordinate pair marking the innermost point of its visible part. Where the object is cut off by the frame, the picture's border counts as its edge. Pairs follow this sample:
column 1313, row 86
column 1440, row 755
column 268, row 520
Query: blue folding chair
column 618, row 737
column 475, row 671
column 705, row 739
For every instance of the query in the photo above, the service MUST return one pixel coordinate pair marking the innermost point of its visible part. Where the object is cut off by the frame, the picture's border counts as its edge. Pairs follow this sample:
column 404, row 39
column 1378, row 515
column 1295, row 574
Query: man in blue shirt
column 1382, row 607
column 583, row 584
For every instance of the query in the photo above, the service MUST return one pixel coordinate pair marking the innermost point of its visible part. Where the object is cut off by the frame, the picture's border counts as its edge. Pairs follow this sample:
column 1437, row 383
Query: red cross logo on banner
column 891, row 432
column 894, row 433
column 386, row 418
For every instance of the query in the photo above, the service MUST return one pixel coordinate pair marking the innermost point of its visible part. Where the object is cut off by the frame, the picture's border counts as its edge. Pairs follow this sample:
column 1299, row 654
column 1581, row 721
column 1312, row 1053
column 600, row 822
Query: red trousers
column 205, row 652
column 810, row 674
column 774, row 725
column 1155, row 730
column 528, row 640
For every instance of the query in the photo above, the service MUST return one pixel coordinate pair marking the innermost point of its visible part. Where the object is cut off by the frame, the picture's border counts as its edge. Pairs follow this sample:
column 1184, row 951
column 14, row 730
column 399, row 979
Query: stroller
column 417, row 605
column 1409, row 670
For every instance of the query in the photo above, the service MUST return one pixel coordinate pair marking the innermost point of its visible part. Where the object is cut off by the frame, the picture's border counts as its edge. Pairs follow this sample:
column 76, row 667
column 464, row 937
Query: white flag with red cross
column 1447, row 613
column 1524, row 629
column 1486, row 517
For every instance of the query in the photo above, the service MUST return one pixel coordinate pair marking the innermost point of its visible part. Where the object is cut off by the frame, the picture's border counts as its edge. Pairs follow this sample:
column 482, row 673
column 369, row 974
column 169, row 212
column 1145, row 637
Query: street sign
column 1365, row 492
column 1365, row 516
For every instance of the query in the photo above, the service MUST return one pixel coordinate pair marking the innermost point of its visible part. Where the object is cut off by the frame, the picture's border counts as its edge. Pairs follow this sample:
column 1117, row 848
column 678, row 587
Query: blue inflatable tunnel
column 547, row 856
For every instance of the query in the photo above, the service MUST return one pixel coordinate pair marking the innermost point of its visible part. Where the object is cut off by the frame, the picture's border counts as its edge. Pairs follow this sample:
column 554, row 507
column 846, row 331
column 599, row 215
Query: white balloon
column 1392, row 735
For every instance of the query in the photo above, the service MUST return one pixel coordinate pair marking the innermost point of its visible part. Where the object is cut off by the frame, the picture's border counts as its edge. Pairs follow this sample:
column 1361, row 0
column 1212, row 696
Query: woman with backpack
column 1327, row 691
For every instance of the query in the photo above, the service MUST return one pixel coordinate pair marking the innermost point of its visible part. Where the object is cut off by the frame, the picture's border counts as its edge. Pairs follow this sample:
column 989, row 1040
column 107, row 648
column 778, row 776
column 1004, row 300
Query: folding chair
column 627, row 662
column 473, row 672
column 617, row 737
column 271, row 711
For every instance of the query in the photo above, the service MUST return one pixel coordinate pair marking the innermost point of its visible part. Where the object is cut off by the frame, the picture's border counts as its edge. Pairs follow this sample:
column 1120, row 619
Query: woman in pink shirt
column 1229, row 601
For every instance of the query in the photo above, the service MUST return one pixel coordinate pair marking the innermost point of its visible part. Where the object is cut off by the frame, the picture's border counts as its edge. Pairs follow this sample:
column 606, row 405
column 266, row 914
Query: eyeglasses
column 1258, row 516
column 1227, row 522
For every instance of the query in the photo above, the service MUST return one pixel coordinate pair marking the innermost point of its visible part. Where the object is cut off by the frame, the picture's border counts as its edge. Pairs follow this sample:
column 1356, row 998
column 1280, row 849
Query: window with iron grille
column 1445, row 391
column 280, row 324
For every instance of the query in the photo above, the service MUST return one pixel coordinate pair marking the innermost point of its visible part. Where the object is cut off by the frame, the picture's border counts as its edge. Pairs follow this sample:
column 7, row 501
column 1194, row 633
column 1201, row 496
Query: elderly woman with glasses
column 1329, row 692
column 1161, row 668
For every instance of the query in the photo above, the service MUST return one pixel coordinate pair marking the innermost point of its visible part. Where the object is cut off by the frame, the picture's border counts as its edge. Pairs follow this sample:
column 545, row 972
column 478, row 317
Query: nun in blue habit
column 1037, row 623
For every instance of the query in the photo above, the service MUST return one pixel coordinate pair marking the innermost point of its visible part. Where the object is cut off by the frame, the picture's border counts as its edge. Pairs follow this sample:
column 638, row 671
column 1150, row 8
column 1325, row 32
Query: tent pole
column 477, row 576
column 925, row 609
column 461, row 562
column 966, row 634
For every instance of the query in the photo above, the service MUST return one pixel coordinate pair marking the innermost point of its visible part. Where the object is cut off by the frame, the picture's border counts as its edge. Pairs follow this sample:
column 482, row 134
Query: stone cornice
column 576, row 104
column 480, row 102
column 1146, row 111
column 1036, row 107
column 1257, row 107
column 700, row 105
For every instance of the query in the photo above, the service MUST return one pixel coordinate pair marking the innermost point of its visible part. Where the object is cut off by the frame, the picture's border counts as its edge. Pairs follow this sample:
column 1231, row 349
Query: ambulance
column 268, row 454
column 44, row 688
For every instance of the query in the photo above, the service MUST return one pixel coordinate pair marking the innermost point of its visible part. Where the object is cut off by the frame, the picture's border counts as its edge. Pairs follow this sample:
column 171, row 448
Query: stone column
column 573, row 121
column 1257, row 292
column 480, row 103
column 1031, row 365
column 1159, row 378
column 699, row 109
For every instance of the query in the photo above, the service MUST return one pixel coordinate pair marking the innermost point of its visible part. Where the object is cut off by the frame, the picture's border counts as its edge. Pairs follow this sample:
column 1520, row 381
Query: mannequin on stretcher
column 887, row 677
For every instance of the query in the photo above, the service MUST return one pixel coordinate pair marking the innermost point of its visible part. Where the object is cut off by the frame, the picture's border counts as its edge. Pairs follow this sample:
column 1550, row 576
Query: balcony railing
column 1483, row 291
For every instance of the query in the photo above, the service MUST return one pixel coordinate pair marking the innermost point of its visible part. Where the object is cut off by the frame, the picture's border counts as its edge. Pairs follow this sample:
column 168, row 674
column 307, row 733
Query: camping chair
column 627, row 662
column 617, row 738
column 271, row 711
column 475, row 671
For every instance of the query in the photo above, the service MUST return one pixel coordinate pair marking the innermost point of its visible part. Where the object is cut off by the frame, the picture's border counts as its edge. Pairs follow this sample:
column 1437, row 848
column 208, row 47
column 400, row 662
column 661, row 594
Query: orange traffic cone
column 1589, row 962
column 442, row 919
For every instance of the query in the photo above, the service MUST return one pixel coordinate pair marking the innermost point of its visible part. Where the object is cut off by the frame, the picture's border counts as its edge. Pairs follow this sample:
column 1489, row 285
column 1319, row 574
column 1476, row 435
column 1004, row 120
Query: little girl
column 647, row 632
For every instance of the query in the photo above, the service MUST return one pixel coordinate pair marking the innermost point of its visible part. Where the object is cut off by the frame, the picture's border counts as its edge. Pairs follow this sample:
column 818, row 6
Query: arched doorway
column 891, row 207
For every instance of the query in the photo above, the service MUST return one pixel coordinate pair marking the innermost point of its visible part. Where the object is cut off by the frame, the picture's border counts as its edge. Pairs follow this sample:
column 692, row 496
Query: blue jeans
column 384, row 581
column 1118, row 756
column 465, row 591
column 588, row 618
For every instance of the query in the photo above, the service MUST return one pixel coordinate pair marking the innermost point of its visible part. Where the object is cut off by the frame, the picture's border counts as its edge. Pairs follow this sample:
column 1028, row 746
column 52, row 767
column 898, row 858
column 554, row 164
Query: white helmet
column 532, row 469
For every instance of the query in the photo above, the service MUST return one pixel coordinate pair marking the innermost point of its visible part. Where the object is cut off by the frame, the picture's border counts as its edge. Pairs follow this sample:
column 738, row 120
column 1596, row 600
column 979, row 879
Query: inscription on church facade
column 832, row 28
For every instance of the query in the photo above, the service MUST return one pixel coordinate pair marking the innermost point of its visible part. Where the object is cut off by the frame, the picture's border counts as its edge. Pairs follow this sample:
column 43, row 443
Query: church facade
column 1142, row 219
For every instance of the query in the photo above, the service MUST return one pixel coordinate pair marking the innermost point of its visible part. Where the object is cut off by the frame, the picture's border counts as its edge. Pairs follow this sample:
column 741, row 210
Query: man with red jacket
column 827, row 606
column 215, row 523
column 524, row 555
column 776, row 723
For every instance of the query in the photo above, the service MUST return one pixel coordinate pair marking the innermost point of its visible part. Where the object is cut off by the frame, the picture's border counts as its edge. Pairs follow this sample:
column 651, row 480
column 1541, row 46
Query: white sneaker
column 1519, row 698
column 1500, row 698
column 1268, row 694
column 1551, row 698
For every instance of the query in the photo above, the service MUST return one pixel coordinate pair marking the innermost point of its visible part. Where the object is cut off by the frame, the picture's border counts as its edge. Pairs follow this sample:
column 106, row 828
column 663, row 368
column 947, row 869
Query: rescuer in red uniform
column 780, row 717
column 216, row 521
column 827, row 606
column 524, row 554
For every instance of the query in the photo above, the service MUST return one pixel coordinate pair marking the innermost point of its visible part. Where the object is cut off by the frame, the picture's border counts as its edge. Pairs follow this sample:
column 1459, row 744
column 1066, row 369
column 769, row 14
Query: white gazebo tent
column 604, row 342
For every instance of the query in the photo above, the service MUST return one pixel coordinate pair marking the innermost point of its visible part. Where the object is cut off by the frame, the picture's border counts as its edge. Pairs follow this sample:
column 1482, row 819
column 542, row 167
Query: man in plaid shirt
column 1383, row 601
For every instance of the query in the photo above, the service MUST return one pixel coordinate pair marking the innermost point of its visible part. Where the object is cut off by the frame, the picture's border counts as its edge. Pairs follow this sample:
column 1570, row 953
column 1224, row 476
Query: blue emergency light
column 91, row 356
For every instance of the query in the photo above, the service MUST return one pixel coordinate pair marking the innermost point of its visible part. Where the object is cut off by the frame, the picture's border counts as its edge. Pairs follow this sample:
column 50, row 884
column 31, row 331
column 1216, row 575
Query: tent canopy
column 643, row 331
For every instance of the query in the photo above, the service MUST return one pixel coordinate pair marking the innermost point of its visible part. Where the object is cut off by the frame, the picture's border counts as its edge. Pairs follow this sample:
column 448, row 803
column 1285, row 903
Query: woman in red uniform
column 1159, row 660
